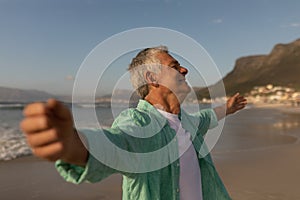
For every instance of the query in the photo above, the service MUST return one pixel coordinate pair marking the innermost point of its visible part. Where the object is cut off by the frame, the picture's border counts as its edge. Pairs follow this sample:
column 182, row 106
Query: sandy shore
column 30, row 178
column 270, row 173
column 267, row 173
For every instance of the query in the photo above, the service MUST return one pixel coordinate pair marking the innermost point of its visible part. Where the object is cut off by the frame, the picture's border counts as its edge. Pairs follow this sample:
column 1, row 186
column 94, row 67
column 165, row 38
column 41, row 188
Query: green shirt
column 158, row 184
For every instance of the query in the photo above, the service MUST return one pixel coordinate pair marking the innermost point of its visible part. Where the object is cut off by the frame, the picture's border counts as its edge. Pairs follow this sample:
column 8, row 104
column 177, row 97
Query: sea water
column 13, row 143
column 249, row 129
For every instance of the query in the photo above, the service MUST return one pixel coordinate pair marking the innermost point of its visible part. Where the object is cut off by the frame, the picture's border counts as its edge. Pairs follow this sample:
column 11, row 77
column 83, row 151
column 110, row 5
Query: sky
column 44, row 42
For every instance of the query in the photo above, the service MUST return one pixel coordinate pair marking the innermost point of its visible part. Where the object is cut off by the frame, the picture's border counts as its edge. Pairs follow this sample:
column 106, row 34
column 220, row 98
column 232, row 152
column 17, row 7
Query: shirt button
column 178, row 164
column 177, row 190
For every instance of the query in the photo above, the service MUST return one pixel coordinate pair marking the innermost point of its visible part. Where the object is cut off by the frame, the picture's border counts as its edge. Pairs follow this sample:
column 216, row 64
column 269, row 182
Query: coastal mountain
column 18, row 95
column 280, row 67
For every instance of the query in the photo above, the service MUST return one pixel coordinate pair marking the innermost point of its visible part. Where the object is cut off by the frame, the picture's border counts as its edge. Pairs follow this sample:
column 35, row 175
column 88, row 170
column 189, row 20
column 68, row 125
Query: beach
column 264, row 174
column 31, row 178
column 269, row 172
column 257, row 157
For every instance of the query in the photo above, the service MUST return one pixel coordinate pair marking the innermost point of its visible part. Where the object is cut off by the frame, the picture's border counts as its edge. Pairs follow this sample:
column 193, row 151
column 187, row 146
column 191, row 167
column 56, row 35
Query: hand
column 235, row 103
column 49, row 130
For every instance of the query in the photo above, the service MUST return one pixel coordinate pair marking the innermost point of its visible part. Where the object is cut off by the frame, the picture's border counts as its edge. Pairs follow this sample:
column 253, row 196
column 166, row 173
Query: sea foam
column 12, row 144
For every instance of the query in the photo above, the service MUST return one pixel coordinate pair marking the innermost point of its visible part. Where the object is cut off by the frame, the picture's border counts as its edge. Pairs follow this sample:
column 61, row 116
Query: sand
column 30, row 178
column 271, row 173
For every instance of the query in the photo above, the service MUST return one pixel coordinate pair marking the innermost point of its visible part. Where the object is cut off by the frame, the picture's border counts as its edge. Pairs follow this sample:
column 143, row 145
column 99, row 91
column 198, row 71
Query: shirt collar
column 145, row 106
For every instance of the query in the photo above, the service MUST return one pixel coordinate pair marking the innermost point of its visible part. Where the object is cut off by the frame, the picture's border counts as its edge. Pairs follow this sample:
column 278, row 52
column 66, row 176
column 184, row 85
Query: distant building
column 274, row 94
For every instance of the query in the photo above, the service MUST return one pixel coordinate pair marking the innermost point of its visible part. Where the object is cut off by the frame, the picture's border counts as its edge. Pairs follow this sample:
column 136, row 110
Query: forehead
column 166, row 59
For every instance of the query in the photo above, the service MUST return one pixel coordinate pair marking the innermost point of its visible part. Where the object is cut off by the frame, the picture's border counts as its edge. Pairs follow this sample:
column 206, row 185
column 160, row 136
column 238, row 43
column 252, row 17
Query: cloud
column 292, row 25
column 69, row 78
column 217, row 21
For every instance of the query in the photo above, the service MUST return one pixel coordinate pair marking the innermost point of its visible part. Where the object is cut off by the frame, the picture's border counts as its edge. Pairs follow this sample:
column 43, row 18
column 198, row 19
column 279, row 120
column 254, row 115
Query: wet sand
column 270, row 171
column 31, row 178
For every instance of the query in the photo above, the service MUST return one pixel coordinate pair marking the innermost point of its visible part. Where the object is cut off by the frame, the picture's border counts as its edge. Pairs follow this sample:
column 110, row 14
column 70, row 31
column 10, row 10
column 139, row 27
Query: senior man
column 160, row 81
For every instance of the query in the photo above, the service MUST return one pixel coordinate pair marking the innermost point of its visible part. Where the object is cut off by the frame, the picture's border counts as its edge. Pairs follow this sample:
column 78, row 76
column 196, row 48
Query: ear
column 151, row 78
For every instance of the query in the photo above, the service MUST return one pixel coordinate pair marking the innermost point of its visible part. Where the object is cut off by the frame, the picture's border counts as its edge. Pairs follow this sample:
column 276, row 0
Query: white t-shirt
column 190, row 177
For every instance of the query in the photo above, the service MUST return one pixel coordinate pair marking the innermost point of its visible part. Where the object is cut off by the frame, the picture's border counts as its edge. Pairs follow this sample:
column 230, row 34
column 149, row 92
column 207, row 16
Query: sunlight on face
column 172, row 76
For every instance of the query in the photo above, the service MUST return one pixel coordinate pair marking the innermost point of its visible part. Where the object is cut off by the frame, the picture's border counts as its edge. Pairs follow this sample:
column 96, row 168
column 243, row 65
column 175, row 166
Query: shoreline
column 285, row 108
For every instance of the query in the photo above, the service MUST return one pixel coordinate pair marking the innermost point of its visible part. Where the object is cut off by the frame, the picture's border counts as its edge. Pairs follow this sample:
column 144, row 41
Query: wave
column 12, row 144
column 12, row 105
column 93, row 105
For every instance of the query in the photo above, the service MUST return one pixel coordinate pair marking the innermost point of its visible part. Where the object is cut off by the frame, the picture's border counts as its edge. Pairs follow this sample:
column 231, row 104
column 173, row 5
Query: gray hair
column 144, row 61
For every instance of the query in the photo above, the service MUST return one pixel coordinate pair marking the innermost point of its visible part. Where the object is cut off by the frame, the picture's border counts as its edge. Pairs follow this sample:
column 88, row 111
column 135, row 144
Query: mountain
column 280, row 67
column 18, row 95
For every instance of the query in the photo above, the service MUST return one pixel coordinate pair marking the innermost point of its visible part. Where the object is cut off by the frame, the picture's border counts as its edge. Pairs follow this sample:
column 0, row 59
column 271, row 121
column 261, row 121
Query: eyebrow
column 175, row 62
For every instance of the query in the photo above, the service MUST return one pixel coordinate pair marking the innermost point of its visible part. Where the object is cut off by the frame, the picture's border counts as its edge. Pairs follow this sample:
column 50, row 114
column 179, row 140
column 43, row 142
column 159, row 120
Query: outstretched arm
column 233, row 104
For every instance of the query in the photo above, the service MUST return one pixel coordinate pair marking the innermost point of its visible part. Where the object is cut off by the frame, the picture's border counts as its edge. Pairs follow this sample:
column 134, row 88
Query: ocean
column 250, row 129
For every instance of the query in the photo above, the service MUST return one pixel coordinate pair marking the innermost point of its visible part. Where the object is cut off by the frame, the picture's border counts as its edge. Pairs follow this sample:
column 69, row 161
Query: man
column 160, row 81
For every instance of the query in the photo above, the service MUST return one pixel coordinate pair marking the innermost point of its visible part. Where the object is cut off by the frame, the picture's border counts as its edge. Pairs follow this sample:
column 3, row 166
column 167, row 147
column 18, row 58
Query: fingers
column 59, row 109
column 235, row 103
column 241, row 99
column 43, row 138
column 236, row 95
column 52, row 107
column 237, row 98
column 35, row 124
column 240, row 106
column 51, row 152
column 43, row 116
column 35, row 109
column 47, row 127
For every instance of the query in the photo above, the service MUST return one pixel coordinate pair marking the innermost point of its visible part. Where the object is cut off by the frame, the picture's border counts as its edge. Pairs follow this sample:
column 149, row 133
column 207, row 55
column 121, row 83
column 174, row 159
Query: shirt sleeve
column 213, row 119
column 94, row 170
column 205, row 119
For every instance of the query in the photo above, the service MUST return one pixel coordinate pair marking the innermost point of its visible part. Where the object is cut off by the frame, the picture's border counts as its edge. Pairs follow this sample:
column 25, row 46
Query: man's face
column 172, row 76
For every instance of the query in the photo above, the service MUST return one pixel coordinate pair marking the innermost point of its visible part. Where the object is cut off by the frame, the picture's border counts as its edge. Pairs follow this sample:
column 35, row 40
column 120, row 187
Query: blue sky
column 43, row 43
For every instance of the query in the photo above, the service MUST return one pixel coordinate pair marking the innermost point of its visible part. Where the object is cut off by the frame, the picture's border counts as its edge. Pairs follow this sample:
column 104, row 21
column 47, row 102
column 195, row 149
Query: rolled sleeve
column 73, row 173
column 93, row 171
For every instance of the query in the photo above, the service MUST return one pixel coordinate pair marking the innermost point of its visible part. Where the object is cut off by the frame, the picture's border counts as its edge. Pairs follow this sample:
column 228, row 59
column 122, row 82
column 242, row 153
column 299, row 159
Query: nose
column 183, row 70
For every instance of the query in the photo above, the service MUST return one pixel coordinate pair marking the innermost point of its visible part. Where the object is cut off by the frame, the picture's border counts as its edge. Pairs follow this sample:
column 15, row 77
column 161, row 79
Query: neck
column 167, row 102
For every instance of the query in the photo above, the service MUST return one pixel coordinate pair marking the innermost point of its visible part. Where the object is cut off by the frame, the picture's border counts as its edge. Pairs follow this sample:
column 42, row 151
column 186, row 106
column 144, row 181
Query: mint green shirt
column 159, row 184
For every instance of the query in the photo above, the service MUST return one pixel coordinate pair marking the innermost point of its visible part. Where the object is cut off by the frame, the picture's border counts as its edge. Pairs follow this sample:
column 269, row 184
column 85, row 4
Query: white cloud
column 69, row 78
column 292, row 25
column 217, row 21
column 295, row 25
